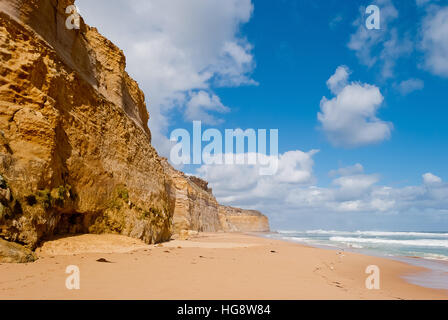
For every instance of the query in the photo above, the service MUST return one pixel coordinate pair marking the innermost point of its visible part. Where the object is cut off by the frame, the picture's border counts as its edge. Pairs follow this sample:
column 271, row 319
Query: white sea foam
column 288, row 231
column 427, row 245
column 356, row 246
column 414, row 243
column 297, row 239
column 431, row 256
column 377, row 233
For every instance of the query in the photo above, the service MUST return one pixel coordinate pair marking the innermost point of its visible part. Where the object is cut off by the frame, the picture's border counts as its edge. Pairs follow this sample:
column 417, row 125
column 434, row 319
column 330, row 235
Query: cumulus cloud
column 407, row 86
column 339, row 79
column 350, row 188
column 352, row 183
column 435, row 41
column 201, row 104
column 384, row 46
column 431, row 179
column 177, row 47
column 351, row 195
column 241, row 184
column 349, row 119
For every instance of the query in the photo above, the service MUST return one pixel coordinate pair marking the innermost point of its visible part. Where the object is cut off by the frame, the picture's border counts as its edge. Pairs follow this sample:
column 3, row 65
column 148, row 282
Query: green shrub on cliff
column 123, row 193
column 44, row 198
column 51, row 199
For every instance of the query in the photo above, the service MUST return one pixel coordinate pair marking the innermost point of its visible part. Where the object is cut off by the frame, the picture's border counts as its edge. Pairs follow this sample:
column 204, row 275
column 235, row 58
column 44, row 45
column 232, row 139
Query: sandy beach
column 208, row 266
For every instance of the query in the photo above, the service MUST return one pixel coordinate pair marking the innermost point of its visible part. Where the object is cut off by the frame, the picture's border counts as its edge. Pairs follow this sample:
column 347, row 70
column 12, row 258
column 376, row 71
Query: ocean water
column 426, row 249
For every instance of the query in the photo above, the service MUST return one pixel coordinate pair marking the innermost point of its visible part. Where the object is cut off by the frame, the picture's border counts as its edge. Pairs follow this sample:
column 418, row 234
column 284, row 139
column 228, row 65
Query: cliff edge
column 75, row 148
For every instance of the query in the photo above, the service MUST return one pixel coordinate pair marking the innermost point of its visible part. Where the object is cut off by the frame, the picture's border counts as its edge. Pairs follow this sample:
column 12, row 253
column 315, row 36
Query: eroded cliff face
column 195, row 206
column 196, row 209
column 236, row 219
column 75, row 148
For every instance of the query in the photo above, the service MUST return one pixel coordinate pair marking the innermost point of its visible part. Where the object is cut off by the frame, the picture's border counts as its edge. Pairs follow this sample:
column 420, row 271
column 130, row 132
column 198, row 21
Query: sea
column 425, row 249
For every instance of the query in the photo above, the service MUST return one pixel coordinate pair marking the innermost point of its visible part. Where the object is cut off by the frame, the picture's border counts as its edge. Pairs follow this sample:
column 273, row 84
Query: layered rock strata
column 75, row 148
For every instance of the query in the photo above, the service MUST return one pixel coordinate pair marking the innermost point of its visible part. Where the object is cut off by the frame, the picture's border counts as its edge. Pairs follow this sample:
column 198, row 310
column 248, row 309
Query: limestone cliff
column 75, row 148
column 196, row 208
column 235, row 219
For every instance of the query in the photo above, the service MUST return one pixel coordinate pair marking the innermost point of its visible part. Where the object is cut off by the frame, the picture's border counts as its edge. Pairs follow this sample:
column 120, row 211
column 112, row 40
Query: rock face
column 195, row 206
column 235, row 219
column 14, row 253
column 196, row 209
column 75, row 148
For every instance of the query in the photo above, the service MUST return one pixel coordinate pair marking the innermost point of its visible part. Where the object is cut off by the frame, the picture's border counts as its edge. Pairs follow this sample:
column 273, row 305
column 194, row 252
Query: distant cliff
column 75, row 148
column 197, row 209
column 235, row 219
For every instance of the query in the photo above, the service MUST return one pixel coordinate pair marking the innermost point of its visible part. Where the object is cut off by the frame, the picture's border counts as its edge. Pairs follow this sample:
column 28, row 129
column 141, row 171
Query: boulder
column 11, row 252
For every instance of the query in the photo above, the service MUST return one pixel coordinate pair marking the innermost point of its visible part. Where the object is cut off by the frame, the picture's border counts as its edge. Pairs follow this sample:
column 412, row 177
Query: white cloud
column 351, row 195
column 363, row 41
column 383, row 46
column 435, row 41
column 238, row 184
column 349, row 119
column 394, row 48
column 295, row 167
column 352, row 183
column 339, row 79
column 353, row 187
column 431, row 179
column 407, row 86
column 176, row 47
column 237, row 63
column 200, row 104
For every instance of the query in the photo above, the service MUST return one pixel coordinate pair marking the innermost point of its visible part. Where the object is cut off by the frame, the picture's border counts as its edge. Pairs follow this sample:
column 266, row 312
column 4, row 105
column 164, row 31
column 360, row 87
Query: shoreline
column 209, row 266
column 433, row 272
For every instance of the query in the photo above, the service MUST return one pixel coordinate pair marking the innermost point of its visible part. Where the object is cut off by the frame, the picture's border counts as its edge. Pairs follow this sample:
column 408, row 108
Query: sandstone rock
column 200, row 183
column 15, row 253
column 75, row 148
column 197, row 209
column 194, row 208
column 237, row 220
column 5, row 195
column 187, row 234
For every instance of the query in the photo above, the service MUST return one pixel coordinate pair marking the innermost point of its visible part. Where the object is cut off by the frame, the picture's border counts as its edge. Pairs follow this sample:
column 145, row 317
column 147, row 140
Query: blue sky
column 296, row 50
column 265, row 64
